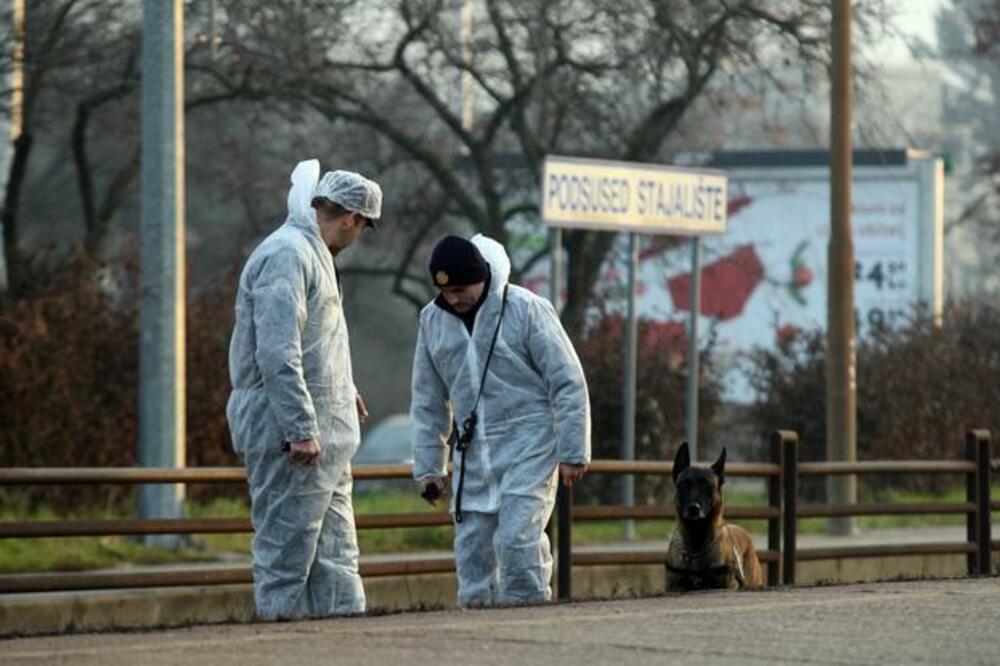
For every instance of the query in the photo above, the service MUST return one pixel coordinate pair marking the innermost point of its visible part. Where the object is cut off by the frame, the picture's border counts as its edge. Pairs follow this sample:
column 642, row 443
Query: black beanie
column 457, row 262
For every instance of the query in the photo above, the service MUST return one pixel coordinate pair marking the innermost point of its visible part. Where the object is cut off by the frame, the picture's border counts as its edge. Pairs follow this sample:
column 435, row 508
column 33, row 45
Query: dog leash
column 740, row 576
column 461, row 442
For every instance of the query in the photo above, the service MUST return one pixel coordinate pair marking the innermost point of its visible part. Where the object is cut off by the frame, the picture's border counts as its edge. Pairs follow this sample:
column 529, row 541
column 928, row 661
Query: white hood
column 496, row 256
column 304, row 179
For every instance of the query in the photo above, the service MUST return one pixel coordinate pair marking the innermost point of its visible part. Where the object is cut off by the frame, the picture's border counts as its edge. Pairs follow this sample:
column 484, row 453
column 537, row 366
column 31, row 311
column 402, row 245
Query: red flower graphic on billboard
column 801, row 275
column 726, row 284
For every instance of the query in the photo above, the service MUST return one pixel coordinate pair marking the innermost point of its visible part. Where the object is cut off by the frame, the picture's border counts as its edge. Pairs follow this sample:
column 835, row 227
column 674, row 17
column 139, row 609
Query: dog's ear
column 719, row 466
column 681, row 461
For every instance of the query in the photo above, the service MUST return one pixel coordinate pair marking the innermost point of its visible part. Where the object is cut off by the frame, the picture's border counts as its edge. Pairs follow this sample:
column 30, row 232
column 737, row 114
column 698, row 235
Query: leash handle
column 458, row 494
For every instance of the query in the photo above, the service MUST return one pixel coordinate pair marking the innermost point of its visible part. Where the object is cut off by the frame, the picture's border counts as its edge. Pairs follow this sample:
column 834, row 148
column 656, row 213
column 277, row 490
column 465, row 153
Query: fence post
column 971, row 535
column 774, row 523
column 789, row 481
column 982, row 444
column 564, row 502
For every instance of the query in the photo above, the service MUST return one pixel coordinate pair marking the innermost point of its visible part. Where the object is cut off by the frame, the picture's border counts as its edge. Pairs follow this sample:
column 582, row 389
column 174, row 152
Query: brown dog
column 705, row 551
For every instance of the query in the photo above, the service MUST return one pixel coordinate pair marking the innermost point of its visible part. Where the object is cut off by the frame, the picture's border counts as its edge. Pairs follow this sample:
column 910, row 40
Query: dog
column 705, row 551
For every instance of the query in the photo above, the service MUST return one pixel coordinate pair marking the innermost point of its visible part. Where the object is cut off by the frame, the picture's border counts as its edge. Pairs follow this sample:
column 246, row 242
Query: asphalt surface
column 930, row 622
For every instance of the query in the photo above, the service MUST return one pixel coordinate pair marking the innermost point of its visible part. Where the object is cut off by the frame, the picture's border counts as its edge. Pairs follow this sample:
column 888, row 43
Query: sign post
column 694, row 371
column 603, row 195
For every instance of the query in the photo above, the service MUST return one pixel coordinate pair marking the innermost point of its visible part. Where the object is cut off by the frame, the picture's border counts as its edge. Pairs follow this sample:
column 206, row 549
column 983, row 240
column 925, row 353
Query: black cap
column 457, row 262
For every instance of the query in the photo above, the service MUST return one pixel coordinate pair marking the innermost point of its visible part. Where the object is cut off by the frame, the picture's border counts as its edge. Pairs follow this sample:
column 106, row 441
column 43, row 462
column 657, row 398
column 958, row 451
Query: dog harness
column 699, row 577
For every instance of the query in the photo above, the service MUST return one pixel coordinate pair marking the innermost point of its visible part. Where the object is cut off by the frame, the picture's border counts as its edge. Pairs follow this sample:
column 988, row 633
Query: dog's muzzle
column 694, row 512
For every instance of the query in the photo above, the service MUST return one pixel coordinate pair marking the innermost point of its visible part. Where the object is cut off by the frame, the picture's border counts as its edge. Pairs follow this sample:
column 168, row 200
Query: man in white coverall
column 531, row 419
column 294, row 412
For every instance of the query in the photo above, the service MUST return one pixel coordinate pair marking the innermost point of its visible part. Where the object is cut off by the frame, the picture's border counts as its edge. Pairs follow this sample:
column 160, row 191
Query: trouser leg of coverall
column 475, row 559
column 523, row 546
column 334, row 586
column 287, row 515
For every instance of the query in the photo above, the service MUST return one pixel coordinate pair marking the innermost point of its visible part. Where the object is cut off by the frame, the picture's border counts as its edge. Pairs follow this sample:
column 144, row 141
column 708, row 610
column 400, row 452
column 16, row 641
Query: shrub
column 69, row 366
column 660, row 401
column 920, row 386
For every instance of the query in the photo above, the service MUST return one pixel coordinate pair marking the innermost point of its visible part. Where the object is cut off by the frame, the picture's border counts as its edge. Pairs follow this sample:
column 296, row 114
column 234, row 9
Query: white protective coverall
column 534, row 414
column 290, row 366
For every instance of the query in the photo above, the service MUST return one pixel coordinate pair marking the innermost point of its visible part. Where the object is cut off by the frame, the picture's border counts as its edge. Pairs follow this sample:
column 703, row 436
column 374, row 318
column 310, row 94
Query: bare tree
column 68, row 48
column 604, row 78
column 969, row 46
column 984, row 17
column 607, row 78
column 82, row 78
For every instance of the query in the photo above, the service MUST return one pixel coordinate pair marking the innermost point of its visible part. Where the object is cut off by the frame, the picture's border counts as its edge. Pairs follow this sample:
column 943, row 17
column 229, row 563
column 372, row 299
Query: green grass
column 369, row 540
column 82, row 553
column 868, row 523
column 610, row 531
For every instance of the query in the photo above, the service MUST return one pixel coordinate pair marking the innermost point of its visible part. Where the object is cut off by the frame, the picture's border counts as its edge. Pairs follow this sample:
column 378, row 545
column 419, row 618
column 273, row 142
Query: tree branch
column 453, row 122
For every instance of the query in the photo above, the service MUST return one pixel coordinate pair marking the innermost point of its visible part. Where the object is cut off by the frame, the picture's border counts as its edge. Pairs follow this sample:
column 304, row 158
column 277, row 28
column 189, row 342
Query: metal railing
column 781, row 512
column 976, row 467
column 568, row 513
column 65, row 581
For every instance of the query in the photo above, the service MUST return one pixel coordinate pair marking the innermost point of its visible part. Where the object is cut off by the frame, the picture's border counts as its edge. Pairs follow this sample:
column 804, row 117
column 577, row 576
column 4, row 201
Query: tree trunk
column 12, row 207
column 586, row 252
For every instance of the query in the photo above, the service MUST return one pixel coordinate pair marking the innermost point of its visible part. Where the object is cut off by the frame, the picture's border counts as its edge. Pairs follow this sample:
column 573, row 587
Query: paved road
column 903, row 623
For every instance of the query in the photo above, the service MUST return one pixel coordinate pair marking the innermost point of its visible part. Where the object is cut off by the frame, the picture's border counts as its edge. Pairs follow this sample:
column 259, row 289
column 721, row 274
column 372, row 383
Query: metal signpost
column 601, row 195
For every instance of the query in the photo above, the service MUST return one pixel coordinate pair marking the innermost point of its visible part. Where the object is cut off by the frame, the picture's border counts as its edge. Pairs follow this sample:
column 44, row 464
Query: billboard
column 765, row 278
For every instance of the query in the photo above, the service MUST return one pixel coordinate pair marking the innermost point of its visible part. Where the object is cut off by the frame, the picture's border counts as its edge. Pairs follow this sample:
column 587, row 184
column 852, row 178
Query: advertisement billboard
column 765, row 278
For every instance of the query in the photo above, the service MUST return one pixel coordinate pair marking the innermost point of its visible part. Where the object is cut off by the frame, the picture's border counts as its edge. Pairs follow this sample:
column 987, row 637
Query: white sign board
column 627, row 196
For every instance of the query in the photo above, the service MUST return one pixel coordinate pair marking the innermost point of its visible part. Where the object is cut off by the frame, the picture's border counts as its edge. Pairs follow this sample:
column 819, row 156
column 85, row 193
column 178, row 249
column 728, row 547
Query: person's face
column 463, row 298
column 341, row 232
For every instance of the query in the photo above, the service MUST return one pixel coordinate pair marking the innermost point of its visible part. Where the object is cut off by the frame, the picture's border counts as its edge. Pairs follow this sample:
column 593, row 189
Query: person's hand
column 571, row 473
column 305, row 452
column 437, row 486
column 362, row 409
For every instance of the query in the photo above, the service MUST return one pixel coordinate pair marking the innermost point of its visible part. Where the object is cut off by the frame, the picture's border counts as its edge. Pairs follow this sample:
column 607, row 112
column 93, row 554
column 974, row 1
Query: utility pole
column 161, row 308
column 841, row 389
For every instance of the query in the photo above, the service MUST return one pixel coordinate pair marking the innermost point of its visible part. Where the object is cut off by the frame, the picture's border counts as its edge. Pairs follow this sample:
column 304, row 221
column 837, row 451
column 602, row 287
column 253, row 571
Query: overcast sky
column 915, row 18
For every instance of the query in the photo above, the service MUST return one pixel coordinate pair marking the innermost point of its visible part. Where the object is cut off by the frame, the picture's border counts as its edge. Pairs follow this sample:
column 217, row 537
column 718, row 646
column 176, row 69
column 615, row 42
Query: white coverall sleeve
column 279, row 314
column 554, row 356
column 430, row 412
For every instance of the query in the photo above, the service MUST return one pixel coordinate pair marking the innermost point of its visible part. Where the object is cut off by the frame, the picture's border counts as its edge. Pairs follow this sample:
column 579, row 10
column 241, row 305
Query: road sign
column 626, row 196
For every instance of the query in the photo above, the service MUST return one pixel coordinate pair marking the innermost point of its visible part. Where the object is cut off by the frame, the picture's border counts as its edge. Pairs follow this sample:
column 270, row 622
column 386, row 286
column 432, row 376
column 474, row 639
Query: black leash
column 469, row 424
